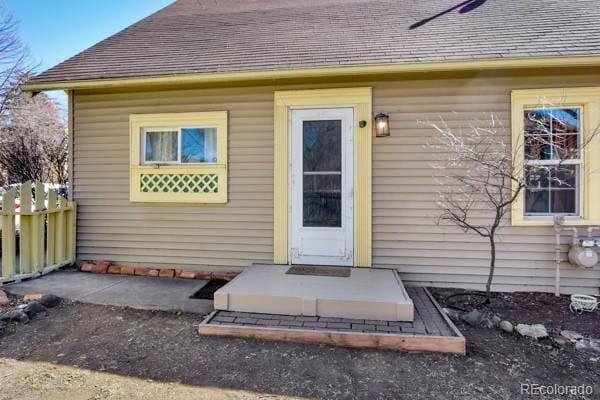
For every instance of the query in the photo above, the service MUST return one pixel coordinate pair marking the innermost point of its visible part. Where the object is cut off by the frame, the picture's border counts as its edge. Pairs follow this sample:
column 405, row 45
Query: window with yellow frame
column 178, row 157
column 562, row 174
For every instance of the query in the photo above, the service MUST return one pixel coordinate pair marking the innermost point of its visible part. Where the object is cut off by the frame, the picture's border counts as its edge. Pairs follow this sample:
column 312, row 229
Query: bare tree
column 15, row 63
column 33, row 140
column 481, row 179
column 57, row 156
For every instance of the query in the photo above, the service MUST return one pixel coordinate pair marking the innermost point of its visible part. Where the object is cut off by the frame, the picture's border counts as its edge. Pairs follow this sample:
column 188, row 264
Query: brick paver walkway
column 428, row 320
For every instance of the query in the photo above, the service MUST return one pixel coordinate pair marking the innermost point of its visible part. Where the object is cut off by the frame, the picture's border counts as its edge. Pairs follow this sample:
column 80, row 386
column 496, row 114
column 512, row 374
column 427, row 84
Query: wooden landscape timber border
column 385, row 341
column 47, row 224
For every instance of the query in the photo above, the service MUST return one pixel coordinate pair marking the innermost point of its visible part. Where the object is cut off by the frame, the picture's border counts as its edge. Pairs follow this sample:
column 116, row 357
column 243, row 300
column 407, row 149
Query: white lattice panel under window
column 179, row 183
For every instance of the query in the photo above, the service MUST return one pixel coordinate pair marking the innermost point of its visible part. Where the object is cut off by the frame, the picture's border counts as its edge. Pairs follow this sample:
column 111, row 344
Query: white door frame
column 321, row 245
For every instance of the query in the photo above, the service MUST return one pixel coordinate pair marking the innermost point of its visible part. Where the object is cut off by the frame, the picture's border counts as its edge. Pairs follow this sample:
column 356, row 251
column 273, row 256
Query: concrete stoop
column 368, row 293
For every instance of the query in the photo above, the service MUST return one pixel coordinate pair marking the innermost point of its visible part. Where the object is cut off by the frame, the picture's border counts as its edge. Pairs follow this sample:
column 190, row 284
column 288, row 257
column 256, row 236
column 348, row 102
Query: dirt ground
column 13, row 301
column 81, row 351
column 26, row 380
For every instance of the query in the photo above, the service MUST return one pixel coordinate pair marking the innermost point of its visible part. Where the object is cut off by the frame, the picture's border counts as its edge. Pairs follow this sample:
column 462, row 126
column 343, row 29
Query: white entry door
column 322, row 193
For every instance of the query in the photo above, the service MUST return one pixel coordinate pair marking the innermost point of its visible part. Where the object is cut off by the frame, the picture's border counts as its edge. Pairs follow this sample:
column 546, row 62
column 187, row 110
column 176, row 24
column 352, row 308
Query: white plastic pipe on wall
column 558, row 229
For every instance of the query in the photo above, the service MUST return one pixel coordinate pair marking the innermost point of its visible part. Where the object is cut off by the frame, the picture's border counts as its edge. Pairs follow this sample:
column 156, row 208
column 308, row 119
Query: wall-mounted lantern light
column 382, row 125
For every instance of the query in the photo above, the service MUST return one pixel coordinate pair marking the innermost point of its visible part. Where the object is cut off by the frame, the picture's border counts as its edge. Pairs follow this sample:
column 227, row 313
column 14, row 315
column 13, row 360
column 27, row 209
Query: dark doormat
column 339, row 272
column 208, row 291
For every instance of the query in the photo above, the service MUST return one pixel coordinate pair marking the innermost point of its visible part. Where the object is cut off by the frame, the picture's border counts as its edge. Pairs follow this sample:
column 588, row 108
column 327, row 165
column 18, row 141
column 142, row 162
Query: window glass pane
column 564, row 177
column 564, row 201
column 537, row 177
column 199, row 145
column 537, row 201
column 538, row 122
column 161, row 146
column 322, row 201
column 565, row 147
column 537, row 190
column 552, row 135
column 566, row 120
column 538, row 147
column 322, row 142
column 552, row 190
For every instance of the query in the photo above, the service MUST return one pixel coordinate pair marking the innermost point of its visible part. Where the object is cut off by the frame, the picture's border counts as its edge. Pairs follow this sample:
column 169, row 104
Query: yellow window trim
column 358, row 98
column 190, row 183
column 589, row 99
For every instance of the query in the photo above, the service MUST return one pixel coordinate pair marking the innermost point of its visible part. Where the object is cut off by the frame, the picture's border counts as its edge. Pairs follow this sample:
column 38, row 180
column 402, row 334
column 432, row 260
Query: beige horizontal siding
column 192, row 236
column 232, row 236
column 405, row 192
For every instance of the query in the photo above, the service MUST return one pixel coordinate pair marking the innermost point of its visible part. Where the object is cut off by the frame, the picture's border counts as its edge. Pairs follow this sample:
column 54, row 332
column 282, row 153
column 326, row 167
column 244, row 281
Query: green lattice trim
column 179, row 183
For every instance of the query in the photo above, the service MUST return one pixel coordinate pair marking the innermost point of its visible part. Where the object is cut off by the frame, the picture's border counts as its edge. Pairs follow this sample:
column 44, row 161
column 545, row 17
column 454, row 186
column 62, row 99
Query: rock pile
column 23, row 313
column 488, row 320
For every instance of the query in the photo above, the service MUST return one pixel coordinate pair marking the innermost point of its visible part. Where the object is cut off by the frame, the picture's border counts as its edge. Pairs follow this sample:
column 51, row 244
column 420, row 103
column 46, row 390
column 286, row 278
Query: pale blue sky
column 55, row 30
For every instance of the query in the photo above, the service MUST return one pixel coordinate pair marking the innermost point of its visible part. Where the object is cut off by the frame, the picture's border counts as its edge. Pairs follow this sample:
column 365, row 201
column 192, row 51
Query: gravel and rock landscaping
column 16, row 310
column 165, row 347
column 540, row 316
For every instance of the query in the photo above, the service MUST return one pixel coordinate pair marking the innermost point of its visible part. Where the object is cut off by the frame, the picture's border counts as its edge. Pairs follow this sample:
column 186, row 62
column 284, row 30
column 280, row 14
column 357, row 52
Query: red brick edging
column 106, row 267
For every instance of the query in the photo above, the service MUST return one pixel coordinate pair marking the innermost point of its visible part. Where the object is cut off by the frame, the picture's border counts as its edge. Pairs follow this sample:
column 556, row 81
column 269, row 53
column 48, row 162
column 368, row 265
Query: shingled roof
column 212, row 36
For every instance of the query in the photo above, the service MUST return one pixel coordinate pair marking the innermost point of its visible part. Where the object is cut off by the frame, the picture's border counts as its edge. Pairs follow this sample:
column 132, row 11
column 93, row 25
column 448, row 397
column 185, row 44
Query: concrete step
column 368, row 293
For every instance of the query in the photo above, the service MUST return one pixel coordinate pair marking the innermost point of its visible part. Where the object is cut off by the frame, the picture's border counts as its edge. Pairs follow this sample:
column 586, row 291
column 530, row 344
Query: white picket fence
column 44, row 225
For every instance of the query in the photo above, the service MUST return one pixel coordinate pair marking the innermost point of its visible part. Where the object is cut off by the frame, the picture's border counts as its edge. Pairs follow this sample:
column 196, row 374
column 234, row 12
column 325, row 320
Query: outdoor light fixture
column 382, row 125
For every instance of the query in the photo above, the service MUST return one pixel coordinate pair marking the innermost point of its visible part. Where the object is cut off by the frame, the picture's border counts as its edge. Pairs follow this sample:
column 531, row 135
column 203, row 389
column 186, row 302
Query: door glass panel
column 322, row 201
column 322, row 142
column 322, row 173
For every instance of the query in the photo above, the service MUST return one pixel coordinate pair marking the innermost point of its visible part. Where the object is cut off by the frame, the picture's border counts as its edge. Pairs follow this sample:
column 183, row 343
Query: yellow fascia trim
column 215, row 119
column 361, row 100
column 589, row 99
column 281, row 74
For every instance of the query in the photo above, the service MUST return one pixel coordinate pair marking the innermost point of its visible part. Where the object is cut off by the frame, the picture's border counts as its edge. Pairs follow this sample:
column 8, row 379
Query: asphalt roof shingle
column 210, row 36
